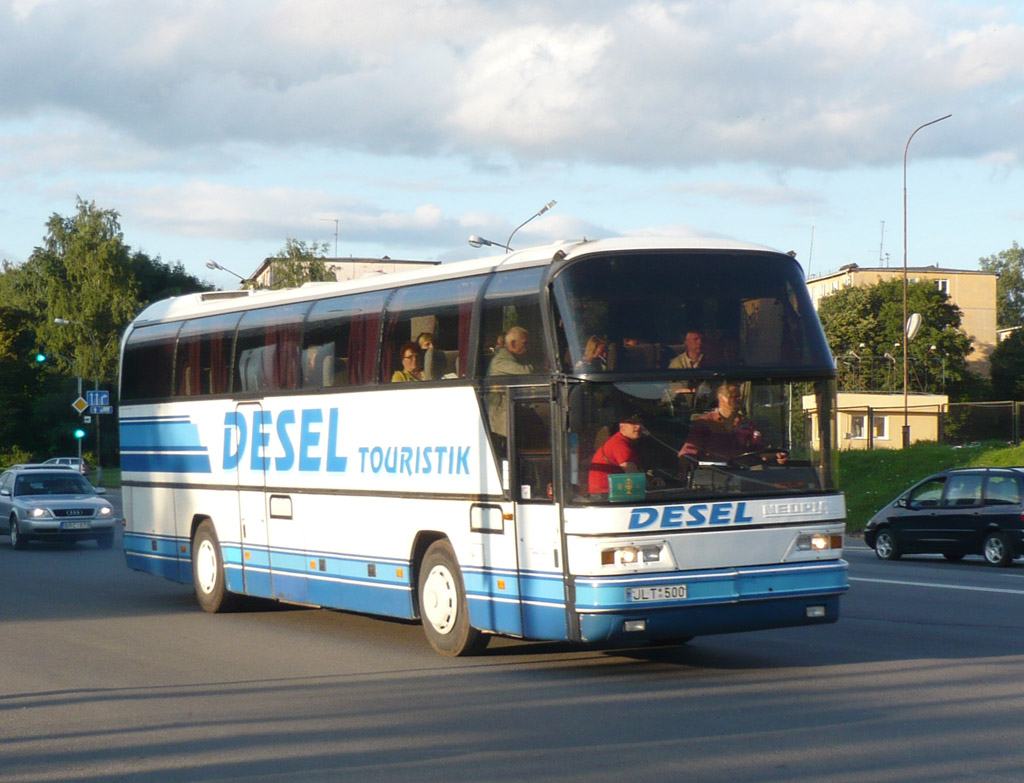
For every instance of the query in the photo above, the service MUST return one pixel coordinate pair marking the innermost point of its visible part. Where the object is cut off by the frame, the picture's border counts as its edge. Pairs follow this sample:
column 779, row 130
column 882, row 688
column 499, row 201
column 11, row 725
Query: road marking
column 938, row 585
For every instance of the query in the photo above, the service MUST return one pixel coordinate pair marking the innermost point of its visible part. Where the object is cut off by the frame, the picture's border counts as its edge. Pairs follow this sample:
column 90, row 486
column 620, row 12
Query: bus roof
column 212, row 302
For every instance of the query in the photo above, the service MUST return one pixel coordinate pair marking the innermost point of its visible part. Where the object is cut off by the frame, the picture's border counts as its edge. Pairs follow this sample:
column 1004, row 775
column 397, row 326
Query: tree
column 159, row 280
column 1008, row 368
column 22, row 376
column 1009, row 265
column 864, row 327
column 297, row 263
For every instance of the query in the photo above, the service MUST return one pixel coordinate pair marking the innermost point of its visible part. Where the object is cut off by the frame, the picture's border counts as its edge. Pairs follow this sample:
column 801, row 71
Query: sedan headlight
column 105, row 511
column 39, row 513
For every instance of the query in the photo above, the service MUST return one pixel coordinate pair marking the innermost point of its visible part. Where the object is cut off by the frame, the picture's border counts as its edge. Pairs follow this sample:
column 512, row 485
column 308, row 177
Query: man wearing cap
column 618, row 454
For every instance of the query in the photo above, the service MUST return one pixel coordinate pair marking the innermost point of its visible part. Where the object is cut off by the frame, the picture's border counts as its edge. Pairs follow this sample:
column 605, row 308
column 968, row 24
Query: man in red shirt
column 618, row 454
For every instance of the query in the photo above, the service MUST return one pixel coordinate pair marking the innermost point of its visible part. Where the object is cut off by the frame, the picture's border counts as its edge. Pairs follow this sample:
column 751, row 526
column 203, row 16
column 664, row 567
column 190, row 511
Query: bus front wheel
column 208, row 571
column 443, row 605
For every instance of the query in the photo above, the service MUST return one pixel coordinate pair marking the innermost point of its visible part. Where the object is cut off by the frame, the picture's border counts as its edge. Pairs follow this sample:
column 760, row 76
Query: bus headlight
column 632, row 555
column 818, row 542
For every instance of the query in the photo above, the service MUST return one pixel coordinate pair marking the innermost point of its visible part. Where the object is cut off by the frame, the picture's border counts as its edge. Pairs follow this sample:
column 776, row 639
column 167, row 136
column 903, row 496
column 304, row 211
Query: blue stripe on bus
column 165, row 463
column 162, row 444
column 531, row 604
column 682, row 622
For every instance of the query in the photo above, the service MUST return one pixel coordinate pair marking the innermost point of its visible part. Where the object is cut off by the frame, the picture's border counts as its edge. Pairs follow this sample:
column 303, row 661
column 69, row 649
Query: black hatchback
column 963, row 511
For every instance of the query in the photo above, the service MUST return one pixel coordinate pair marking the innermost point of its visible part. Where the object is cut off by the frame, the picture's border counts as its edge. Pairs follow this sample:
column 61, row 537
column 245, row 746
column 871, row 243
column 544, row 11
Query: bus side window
column 441, row 312
column 339, row 345
column 513, row 299
column 267, row 349
column 203, row 355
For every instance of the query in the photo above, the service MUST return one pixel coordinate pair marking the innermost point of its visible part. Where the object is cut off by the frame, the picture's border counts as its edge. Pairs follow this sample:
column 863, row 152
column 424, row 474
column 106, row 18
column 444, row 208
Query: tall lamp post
column 211, row 264
column 476, row 241
column 906, row 370
column 96, row 386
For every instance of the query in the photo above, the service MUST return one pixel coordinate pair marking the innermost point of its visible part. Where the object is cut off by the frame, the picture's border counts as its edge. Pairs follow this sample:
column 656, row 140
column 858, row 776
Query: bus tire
column 208, row 572
column 443, row 607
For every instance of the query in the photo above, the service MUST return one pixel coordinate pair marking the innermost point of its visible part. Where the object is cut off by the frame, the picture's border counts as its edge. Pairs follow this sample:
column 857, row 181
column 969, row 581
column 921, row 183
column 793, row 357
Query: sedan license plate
column 77, row 525
column 659, row 593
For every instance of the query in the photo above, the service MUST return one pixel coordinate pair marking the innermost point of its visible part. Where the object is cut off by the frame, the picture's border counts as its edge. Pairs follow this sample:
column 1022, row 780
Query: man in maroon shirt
column 723, row 433
column 618, row 454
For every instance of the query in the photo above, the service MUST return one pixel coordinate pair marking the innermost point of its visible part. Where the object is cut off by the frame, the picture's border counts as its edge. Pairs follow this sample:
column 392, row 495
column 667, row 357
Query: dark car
column 963, row 511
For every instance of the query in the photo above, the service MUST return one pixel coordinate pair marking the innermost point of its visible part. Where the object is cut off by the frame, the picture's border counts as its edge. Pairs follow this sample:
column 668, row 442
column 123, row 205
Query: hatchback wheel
column 885, row 545
column 997, row 550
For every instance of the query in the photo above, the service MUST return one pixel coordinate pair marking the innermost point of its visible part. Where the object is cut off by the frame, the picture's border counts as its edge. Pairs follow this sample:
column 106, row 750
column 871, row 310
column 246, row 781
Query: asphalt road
column 112, row 675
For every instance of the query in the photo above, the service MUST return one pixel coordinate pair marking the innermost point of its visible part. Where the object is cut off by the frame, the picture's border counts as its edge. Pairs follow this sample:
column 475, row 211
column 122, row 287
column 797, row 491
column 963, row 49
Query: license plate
column 660, row 593
column 74, row 525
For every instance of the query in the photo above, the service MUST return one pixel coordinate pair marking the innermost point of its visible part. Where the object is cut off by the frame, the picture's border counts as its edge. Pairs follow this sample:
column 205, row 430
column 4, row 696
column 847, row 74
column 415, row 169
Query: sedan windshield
column 62, row 483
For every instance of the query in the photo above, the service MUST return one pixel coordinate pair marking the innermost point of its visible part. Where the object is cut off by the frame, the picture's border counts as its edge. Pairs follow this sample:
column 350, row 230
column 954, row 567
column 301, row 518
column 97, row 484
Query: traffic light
column 79, row 433
column 41, row 357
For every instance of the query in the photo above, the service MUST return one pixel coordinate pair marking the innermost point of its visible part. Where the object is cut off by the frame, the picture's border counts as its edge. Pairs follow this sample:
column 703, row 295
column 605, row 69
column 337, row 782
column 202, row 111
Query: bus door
column 538, row 538
column 252, row 503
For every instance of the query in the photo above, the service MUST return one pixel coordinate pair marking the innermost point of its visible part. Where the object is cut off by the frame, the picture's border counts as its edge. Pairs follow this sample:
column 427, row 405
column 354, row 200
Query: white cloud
column 779, row 81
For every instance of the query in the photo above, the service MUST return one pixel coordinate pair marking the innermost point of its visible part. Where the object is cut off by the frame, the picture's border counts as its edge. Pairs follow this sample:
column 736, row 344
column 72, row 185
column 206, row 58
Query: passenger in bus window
column 411, row 369
column 433, row 362
column 693, row 353
column 511, row 360
column 723, row 433
column 692, row 357
column 595, row 356
column 618, row 454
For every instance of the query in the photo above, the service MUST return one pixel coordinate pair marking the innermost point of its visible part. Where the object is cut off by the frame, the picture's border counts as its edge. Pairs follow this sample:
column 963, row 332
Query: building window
column 943, row 285
column 859, row 427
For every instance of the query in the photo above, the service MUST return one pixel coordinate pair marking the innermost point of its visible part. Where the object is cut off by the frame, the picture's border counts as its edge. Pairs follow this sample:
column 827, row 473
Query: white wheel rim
column 884, row 545
column 206, row 566
column 14, row 533
column 440, row 599
column 994, row 549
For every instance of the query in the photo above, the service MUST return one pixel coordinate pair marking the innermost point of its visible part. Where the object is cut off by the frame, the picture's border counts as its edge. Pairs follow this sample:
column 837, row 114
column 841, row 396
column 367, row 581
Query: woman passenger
column 411, row 368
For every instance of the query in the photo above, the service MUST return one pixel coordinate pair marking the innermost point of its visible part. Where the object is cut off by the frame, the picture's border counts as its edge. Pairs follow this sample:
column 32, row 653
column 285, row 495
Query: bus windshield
column 643, row 312
column 733, row 437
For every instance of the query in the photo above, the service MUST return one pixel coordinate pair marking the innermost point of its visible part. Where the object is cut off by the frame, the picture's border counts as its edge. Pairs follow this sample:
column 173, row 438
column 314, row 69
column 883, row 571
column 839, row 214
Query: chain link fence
column 968, row 422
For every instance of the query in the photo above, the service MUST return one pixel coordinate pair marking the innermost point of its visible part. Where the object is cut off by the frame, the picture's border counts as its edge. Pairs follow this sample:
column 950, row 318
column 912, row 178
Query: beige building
column 973, row 292
column 344, row 268
column 869, row 420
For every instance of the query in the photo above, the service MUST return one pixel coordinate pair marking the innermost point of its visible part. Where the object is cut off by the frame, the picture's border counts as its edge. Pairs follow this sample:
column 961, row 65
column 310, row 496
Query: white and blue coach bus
column 265, row 450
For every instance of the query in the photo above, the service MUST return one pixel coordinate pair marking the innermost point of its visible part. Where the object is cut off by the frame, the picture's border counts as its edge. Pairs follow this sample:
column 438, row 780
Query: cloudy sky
column 220, row 129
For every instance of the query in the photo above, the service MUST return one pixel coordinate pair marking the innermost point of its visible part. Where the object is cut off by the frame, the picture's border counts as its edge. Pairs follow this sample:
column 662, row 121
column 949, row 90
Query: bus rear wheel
column 443, row 606
column 208, row 572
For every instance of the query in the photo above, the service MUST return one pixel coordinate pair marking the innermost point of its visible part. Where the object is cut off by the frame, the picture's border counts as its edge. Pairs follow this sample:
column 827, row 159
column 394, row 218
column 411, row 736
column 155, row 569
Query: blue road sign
column 97, row 398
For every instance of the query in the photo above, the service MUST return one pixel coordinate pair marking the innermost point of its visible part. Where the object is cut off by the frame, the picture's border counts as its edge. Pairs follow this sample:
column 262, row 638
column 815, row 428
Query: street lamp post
column 211, row 264
column 476, row 241
column 96, row 387
column 906, row 369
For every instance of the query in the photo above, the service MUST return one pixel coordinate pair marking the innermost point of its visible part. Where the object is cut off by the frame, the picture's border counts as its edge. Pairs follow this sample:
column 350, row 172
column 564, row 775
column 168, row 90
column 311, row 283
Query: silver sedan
column 54, row 504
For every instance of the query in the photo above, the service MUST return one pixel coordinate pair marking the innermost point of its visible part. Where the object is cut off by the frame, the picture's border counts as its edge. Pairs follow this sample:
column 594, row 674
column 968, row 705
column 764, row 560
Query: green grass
column 111, row 478
column 871, row 479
